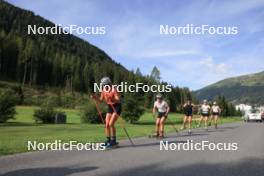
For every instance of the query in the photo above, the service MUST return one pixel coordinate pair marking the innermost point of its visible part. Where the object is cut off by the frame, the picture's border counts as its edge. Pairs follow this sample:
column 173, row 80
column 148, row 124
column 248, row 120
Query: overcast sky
column 133, row 39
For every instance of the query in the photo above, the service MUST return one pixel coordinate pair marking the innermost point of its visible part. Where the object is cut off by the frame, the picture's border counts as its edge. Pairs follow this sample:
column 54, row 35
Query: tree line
column 65, row 61
column 228, row 109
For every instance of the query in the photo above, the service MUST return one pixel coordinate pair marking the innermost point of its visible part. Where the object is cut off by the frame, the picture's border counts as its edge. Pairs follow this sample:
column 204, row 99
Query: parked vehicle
column 253, row 116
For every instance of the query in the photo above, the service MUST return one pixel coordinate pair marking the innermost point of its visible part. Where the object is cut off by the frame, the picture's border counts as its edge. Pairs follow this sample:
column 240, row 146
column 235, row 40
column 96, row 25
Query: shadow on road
column 153, row 123
column 153, row 144
column 190, row 135
column 229, row 128
column 221, row 129
column 58, row 171
column 169, row 138
column 246, row 167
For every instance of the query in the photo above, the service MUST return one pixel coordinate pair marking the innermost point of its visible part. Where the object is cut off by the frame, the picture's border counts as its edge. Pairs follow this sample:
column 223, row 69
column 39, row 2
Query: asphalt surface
column 145, row 158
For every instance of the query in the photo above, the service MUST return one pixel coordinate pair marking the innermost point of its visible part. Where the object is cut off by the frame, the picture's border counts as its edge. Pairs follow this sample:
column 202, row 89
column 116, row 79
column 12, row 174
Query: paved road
column 147, row 159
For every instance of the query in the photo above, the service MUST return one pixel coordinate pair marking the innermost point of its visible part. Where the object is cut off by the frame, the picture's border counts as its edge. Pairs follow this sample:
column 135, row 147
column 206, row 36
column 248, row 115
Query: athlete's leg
column 210, row 120
column 162, row 121
column 200, row 121
column 206, row 121
column 107, row 127
column 215, row 120
column 190, row 122
column 157, row 126
column 113, row 119
column 184, row 122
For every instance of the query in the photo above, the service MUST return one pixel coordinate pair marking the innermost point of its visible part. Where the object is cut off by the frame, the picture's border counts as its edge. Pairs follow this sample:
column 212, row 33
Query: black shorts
column 205, row 114
column 162, row 114
column 117, row 108
column 188, row 114
column 215, row 114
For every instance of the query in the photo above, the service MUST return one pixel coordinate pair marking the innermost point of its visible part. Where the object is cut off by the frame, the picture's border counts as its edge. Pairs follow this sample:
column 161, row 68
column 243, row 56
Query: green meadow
column 15, row 133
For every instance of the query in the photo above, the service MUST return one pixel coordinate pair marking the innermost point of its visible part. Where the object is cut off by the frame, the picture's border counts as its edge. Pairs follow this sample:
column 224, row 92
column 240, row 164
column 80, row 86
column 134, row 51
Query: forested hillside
column 242, row 89
column 64, row 62
column 54, row 60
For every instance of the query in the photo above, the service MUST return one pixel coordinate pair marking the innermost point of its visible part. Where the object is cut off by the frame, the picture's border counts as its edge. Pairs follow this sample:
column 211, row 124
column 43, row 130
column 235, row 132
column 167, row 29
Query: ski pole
column 176, row 130
column 122, row 125
column 98, row 110
column 195, row 121
column 154, row 131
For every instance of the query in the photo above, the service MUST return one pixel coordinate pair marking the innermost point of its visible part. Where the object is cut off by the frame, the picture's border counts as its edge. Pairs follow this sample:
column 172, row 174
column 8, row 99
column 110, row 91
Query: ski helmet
column 106, row 81
column 158, row 95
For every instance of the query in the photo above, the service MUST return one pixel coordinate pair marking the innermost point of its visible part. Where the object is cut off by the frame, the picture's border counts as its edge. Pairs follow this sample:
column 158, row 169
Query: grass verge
column 16, row 133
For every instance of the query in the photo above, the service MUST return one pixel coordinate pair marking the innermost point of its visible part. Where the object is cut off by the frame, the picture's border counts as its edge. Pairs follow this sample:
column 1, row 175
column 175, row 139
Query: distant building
column 243, row 107
column 261, row 108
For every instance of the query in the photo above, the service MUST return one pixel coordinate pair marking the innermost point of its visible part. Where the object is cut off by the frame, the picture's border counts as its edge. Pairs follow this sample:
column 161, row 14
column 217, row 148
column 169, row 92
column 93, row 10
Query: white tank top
column 205, row 109
column 162, row 107
column 215, row 109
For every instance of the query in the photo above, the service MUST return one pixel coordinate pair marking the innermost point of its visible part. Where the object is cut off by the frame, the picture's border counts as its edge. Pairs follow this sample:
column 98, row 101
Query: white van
column 252, row 116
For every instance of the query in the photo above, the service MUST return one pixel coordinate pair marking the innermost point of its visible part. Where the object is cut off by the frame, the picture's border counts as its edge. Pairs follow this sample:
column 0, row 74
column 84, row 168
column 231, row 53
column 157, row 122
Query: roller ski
column 189, row 132
column 153, row 136
column 111, row 145
column 157, row 136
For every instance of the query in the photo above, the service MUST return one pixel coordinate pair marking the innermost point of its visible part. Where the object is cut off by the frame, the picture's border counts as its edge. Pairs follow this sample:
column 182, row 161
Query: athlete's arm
column 193, row 107
column 199, row 109
column 100, row 99
column 154, row 109
column 117, row 97
column 168, row 110
column 196, row 106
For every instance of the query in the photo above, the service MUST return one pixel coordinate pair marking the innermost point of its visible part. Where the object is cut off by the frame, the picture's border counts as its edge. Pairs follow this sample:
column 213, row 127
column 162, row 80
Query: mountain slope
column 49, row 60
column 62, row 67
column 241, row 89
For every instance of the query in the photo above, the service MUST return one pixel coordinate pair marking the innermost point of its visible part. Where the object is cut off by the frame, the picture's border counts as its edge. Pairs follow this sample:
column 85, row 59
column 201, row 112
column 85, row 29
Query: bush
column 132, row 109
column 18, row 94
column 46, row 113
column 60, row 118
column 89, row 114
column 7, row 105
column 67, row 101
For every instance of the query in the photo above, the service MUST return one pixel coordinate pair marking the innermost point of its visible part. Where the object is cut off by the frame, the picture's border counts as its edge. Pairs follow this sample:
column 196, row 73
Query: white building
column 243, row 107
column 261, row 108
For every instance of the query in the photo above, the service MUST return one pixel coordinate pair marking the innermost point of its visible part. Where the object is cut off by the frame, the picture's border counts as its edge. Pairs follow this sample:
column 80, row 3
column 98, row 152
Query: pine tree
column 138, row 72
column 155, row 74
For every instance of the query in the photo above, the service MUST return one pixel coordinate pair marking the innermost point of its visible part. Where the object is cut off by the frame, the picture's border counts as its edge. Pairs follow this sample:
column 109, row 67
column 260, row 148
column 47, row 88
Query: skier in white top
column 215, row 111
column 163, row 109
column 205, row 113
